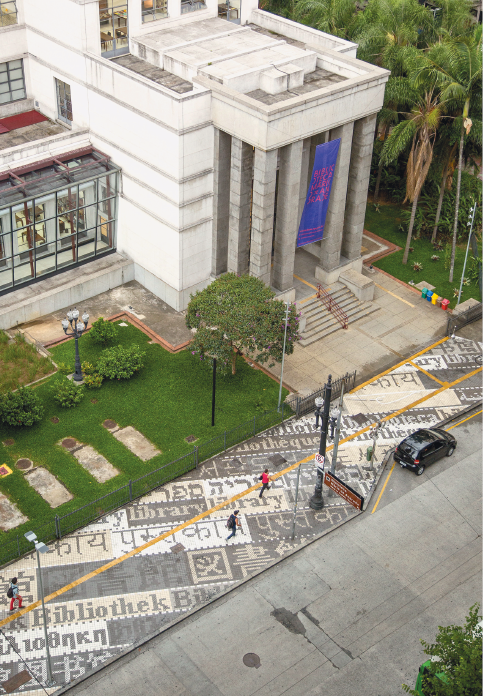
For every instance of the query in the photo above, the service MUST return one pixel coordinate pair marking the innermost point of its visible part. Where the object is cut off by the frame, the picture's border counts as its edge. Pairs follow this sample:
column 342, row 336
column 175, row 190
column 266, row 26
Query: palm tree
column 455, row 68
column 418, row 129
column 332, row 16
column 399, row 95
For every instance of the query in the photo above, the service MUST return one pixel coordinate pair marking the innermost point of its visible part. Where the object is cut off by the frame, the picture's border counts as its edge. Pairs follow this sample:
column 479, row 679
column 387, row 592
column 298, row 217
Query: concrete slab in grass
column 136, row 442
column 10, row 515
column 95, row 464
column 46, row 485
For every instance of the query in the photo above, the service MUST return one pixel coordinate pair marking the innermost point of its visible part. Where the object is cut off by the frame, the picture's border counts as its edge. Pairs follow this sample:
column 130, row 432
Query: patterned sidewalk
column 98, row 618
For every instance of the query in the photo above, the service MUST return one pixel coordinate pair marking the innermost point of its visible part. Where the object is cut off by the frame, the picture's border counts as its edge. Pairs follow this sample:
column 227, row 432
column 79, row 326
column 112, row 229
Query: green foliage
column 334, row 17
column 93, row 381
column 239, row 313
column 65, row 368
column 22, row 407
column 67, row 393
column 120, row 362
column 459, row 651
column 103, row 332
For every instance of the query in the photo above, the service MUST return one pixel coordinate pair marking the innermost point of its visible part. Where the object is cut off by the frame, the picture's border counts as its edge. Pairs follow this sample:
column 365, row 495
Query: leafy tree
column 455, row 67
column 103, row 332
column 459, row 651
column 419, row 129
column 239, row 313
column 22, row 407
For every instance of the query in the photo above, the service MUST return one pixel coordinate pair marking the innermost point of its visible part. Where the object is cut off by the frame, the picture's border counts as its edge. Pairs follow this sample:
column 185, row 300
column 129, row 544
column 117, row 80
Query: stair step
column 326, row 329
column 346, row 307
column 320, row 307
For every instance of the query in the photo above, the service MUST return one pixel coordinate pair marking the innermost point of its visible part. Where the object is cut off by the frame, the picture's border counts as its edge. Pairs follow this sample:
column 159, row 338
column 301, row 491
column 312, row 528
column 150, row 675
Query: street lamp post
column 317, row 500
column 77, row 329
column 40, row 547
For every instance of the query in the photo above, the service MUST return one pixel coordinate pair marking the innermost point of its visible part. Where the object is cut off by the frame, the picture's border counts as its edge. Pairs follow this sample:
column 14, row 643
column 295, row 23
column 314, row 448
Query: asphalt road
column 344, row 615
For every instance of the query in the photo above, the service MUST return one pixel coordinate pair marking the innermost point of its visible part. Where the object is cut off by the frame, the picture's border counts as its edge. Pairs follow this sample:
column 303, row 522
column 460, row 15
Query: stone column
column 221, row 202
column 264, row 180
column 359, row 173
column 240, row 202
column 286, row 225
column 334, row 223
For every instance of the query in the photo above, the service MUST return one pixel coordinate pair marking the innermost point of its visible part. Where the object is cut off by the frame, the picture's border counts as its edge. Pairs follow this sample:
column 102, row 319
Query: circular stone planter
column 7, row 443
column 24, row 464
column 54, row 419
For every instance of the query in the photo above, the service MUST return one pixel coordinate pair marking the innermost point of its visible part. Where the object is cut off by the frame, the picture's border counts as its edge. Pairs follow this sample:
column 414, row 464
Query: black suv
column 424, row 447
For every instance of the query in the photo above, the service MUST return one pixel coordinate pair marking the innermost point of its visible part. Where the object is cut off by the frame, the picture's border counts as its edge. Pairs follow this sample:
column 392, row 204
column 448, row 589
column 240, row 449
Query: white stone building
column 179, row 145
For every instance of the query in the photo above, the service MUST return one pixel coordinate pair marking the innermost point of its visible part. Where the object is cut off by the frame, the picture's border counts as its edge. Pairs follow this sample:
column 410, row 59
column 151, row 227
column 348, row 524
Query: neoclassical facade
column 174, row 144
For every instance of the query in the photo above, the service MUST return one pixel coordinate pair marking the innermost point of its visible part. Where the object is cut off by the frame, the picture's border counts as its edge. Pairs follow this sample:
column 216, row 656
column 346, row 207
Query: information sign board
column 343, row 490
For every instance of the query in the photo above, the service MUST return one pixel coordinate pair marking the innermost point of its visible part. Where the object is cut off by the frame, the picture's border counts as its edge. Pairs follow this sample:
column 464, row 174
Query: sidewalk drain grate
column 251, row 660
column 177, row 548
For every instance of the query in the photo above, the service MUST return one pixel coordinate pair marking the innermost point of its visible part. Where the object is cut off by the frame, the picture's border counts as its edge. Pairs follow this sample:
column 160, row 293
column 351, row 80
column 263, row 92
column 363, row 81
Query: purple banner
column 312, row 223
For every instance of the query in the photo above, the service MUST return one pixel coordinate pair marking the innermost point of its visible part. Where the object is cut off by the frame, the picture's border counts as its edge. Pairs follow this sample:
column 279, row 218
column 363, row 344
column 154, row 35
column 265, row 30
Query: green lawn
column 386, row 224
column 168, row 400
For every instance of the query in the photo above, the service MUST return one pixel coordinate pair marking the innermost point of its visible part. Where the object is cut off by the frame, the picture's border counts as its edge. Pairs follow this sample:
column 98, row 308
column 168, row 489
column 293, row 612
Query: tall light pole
column 317, row 501
column 40, row 547
column 470, row 225
column 337, row 416
column 77, row 329
column 283, row 356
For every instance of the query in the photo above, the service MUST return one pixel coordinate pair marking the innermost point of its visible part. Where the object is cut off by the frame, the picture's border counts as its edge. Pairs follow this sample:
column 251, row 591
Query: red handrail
column 332, row 306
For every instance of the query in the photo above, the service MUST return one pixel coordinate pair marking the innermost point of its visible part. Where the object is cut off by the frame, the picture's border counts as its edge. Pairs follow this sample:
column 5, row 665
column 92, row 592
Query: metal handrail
column 332, row 306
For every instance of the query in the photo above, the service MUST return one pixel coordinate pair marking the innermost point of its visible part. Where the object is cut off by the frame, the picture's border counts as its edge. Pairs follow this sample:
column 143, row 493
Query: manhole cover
column 8, row 442
column 178, row 548
column 69, row 443
column 110, row 424
column 236, row 462
column 251, row 660
column 23, row 464
column 191, row 438
column 93, row 401
column 277, row 460
column 54, row 419
column 15, row 682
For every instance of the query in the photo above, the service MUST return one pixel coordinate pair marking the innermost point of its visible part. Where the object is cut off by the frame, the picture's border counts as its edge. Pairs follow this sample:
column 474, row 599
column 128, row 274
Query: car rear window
column 406, row 448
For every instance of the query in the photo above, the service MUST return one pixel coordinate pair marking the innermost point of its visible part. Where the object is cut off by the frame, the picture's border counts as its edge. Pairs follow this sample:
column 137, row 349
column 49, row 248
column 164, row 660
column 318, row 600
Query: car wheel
column 450, row 451
column 420, row 470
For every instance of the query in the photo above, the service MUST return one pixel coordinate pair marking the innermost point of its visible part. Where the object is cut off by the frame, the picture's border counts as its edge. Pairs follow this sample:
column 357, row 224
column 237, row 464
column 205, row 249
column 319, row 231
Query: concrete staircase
column 320, row 322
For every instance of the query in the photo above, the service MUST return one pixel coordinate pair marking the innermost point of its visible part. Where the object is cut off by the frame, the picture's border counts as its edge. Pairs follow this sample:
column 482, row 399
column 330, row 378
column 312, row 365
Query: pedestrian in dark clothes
column 233, row 523
column 265, row 481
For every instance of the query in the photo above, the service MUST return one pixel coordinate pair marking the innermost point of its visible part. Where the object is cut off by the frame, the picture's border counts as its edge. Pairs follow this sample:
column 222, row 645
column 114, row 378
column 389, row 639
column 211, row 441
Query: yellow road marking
column 464, row 420
column 225, row 503
column 403, row 362
column 309, row 284
column 428, row 374
column 385, row 484
column 307, row 299
column 394, row 295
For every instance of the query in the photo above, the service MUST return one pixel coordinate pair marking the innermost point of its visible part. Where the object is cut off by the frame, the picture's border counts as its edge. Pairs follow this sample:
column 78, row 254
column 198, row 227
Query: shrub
column 65, row 369
column 93, row 381
column 22, row 407
column 67, row 394
column 417, row 266
column 434, row 257
column 119, row 362
column 88, row 369
column 103, row 332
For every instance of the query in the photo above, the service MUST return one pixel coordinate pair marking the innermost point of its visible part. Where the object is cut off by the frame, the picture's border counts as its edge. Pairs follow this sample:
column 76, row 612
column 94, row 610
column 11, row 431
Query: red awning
column 28, row 118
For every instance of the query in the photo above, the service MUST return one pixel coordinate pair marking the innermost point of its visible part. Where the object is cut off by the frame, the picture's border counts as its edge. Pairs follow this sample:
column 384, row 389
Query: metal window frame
column 152, row 13
column 62, row 102
column 8, row 2
column 115, row 51
column 9, row 81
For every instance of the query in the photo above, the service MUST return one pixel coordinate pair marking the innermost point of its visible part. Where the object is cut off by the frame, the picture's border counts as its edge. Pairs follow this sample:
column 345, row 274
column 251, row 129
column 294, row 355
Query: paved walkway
column 342, row 617
column 141, row 568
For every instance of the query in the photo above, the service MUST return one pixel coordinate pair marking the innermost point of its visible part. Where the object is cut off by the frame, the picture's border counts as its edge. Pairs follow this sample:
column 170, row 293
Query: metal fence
column 457, row 321
column 306, row 404
column 60, row 525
